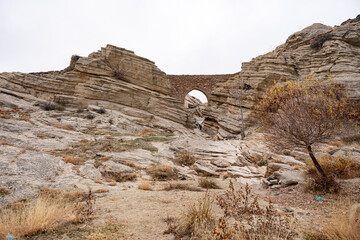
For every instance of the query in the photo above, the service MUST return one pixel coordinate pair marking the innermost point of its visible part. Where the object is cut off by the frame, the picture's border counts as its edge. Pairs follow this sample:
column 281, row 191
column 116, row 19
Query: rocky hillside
column 112, row 78
column 317, row 49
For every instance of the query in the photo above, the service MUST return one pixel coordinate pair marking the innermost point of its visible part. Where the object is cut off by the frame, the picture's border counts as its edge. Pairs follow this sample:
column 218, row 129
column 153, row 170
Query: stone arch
column 201, row 92
column 181, row 85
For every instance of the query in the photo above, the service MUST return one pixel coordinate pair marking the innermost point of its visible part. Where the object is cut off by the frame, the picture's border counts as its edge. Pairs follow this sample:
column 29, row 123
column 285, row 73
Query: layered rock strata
column 112, row 77
column 317, row 49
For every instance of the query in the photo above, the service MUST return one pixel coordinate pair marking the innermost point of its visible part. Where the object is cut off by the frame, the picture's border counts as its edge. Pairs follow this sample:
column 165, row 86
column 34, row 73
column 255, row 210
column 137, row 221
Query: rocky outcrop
column 318, row 49
column 112, row 77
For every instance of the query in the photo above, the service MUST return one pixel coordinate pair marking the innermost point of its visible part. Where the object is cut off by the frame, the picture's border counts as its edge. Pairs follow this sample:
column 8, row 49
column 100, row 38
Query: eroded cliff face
column 318, row 49
column 115, row 77
column 112, row 78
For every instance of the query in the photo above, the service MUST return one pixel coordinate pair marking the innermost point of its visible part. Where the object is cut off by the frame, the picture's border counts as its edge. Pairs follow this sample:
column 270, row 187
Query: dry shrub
column 4, row 191
column 185, row 158
column 146, row 132
column 319, row 184
column 196, row 223
column 36, row 216
column 101, row 190
column 208, row 183
column 145, row 185
column 319, row 40
column 337, row 226
column 161, row 172
column 6, row 144
column 110, row 230
column 65, row 127
column 179, row 186
column 249, row 219
column 343, row 167
column 51, row 107
column 98, row 181
column 71, row 159
column 121, row 176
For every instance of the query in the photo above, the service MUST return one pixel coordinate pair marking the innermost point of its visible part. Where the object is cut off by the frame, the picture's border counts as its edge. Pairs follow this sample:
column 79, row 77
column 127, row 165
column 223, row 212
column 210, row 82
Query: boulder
column 274, row 167
column 89, row 171
column 113, row 167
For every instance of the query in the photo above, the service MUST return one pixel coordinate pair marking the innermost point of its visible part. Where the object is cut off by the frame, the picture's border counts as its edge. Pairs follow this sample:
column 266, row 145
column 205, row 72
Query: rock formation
column 317, row 49
column 112, row 77
column 115, row 78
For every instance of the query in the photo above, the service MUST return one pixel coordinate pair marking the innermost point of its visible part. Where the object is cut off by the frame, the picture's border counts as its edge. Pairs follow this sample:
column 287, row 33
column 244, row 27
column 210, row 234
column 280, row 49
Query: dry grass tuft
column 146, row 133
column 185, row 158
column 98, row 181
column 36, row 216
column 161, row 172
column 208, row 184
column 196, row 223
column 4, row 191
column 339, row 225
column 73, row 160
column 101, row 190
column 145, row 185
column 180, row 186
column 338, row 167
column 120, row 177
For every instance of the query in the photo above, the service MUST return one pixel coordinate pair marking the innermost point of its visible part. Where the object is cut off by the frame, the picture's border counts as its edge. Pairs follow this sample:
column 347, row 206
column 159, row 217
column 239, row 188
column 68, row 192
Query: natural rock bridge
column 181, row 85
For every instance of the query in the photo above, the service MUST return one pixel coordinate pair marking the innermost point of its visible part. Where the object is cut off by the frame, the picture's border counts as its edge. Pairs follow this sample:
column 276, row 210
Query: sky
column 180, row 36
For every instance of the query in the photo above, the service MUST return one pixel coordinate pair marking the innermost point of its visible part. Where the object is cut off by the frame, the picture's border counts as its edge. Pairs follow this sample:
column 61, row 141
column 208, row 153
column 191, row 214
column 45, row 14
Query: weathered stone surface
column 112, row 78
column 293, row 60
column 89, row 171
column 204, row 170
column 288, row 178
column 274, row 167
column 113, row 167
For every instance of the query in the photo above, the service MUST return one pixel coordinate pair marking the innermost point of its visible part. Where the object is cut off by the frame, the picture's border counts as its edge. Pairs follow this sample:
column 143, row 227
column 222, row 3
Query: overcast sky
column 181, row 37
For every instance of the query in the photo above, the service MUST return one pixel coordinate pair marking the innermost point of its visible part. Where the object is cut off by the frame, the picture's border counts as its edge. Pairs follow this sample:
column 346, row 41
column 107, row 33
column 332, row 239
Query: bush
column 161, row 172
column 36, row 216
column 337, row 226
column 145, row 185
column 185, row 158
column 179, row 186
column 299, row 114
column 251, row 220
column 208, row 184
column 318, row 41
column 90, row 116
column 99, row 110
column 51, row 106
column 337, row 167
column 196, row 223
column 121, row 177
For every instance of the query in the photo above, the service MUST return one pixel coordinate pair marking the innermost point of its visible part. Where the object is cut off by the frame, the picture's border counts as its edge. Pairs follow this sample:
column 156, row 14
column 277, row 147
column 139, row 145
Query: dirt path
column 143, row 212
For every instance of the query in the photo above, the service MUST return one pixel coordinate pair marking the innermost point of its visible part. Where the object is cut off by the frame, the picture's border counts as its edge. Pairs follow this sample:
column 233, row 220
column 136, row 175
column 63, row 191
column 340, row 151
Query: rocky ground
column 45, row 146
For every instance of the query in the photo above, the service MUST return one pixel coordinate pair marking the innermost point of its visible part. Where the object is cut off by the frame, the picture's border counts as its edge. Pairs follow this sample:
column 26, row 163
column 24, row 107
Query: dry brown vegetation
column 145, row 185
column 120, row 176
column 303, row 113
column 185, row 158
column 208, row 183
column 196, row 223
column 36, row 216
column 181, row 186
column 243, row 218
column 343, row 167
column 343, row 223
column 161, row 172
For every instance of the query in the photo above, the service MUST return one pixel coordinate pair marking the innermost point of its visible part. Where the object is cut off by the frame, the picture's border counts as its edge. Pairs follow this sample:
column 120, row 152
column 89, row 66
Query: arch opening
column 196, row 101
column 195, row 98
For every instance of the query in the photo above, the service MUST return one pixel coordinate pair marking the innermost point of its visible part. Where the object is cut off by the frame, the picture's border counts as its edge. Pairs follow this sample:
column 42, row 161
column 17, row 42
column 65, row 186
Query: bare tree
column 303, row 113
